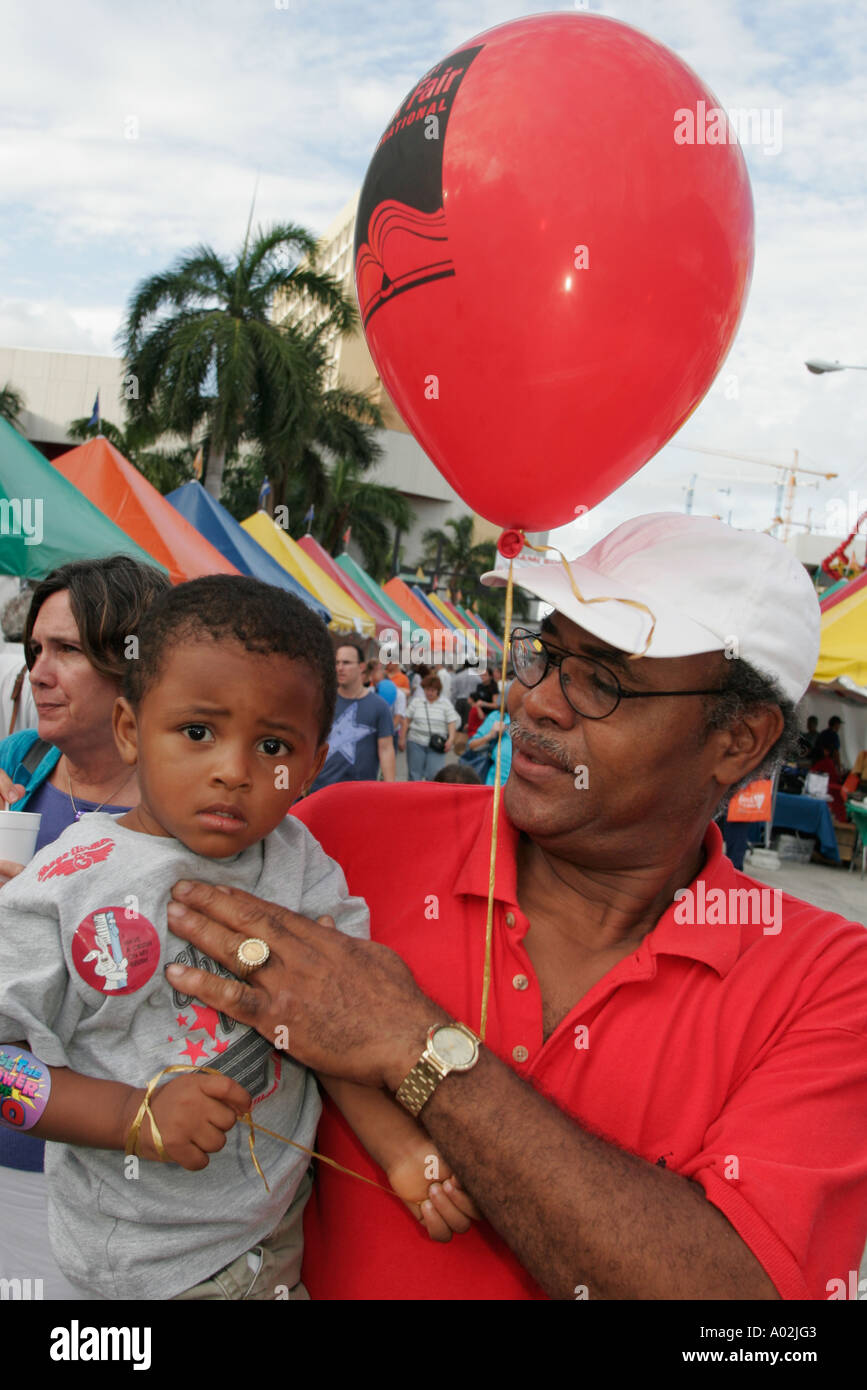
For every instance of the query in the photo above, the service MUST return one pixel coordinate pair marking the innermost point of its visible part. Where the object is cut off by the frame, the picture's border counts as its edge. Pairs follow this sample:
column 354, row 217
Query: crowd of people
column 167, row 774
column 425, row 712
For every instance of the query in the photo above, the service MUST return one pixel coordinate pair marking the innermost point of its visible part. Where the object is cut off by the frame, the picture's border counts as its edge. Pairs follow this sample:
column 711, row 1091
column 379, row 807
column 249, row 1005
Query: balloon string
column 489, row 920
column 247, row 1119
column 507, row 632
column 611, row 598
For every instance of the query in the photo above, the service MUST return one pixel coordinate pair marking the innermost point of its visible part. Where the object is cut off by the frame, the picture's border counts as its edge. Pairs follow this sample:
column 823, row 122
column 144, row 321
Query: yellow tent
column 469, row 638
column 346, row 615
column 843, row 642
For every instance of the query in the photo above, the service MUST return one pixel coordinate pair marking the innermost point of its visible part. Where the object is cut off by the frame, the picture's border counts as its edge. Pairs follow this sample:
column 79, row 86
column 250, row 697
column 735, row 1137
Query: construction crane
column 788, row 480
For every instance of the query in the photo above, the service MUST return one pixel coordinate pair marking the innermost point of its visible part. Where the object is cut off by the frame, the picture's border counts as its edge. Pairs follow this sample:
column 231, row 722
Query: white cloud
column 63, row 327
column 232, row 91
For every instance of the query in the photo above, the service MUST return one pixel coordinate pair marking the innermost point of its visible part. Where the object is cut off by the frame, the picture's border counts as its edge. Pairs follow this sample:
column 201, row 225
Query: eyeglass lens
column 590, row 688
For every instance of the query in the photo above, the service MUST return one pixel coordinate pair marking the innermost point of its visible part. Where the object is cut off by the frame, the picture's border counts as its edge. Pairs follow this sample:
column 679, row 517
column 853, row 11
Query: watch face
column 454, row 1046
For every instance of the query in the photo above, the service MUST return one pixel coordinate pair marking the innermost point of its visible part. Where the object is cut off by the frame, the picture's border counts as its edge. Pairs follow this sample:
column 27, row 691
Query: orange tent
column 126, row 497
column 403, row 596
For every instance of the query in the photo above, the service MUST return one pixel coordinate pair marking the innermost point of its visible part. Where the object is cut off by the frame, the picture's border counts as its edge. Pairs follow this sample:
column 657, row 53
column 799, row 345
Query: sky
column 131, row 133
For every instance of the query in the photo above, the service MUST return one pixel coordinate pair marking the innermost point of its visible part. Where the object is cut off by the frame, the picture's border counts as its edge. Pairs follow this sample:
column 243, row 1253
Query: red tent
column 126, row 497
column 317, row 552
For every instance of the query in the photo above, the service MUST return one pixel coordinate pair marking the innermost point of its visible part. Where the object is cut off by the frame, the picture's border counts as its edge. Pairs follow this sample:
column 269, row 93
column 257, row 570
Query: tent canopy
column 493, row 639
column 415, row 611
column 466, row 630
column 370, row 586
column 44, row 520
column 311, row 547
column 114, row 485
column 843, row 640
column 219, row 527
column 346, row 616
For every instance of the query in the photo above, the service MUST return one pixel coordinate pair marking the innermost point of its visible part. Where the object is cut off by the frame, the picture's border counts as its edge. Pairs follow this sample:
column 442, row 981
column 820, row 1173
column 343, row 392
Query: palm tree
column 202, row 341
column 370, row 509
column 456, row 558
column 11, row 403
column 459, row 561
column 165, row 471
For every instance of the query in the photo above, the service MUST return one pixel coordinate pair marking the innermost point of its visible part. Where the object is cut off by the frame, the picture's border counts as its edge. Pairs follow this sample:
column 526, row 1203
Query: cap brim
column 620, row 616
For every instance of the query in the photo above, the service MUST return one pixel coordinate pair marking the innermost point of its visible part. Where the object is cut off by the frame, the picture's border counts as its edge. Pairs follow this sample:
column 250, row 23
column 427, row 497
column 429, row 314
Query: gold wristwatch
column 450, row 1047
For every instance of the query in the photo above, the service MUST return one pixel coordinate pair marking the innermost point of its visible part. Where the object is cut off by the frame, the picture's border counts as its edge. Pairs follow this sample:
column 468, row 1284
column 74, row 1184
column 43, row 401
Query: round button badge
column 114, row 951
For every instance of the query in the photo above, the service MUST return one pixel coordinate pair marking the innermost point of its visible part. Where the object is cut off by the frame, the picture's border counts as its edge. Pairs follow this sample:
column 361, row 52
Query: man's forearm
column 576, row 1210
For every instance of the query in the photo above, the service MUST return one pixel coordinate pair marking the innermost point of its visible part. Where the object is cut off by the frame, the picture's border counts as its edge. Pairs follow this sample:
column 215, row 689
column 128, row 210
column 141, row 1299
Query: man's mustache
column 541, row 744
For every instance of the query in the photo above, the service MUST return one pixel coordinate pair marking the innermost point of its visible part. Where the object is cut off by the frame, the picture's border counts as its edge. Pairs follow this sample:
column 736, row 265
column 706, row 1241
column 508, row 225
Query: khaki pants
column 270, row 1270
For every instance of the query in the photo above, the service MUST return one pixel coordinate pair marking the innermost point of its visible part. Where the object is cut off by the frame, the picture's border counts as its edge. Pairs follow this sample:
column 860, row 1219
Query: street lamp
column 818, row 365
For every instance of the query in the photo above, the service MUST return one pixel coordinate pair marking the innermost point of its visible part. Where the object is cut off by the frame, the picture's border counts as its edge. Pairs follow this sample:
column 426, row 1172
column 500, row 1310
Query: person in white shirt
column 17, row 710
column 445, row 680
column 464, row 684
column 428, row 730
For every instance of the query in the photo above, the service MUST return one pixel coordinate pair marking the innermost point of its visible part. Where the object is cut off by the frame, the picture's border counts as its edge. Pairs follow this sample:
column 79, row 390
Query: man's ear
column 125, row 729
column 743, row 746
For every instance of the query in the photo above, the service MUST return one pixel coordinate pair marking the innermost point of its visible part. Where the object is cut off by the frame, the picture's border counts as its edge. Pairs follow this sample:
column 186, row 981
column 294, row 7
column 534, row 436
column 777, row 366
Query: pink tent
column 333, row 570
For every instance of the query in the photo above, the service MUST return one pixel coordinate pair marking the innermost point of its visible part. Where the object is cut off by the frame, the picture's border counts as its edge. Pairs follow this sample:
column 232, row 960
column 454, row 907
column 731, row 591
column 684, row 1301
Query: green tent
column 44, row 520
column 372, row 589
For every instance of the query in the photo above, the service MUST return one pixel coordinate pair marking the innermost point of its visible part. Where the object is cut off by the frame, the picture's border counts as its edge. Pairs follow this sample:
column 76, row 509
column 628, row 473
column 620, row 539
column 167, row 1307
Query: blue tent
column 441, row 620
column 219, row 527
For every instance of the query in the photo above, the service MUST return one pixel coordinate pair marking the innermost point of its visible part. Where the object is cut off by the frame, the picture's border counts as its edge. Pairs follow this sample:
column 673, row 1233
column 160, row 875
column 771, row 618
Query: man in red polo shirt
column 671, row 1098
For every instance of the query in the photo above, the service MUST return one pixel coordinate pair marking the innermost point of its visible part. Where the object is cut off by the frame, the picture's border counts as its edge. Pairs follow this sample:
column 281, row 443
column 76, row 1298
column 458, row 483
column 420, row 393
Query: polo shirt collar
column 716, row 945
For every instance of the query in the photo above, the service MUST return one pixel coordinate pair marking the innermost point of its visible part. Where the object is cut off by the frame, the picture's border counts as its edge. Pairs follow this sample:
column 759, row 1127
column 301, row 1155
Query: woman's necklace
column 109, row 800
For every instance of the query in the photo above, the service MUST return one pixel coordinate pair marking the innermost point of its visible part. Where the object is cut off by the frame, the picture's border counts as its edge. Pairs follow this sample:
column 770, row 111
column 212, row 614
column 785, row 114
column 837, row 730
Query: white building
column 59, row 387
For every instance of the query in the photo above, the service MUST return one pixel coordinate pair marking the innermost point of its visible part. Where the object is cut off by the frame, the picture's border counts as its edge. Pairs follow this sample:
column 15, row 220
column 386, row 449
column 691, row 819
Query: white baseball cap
column 709, row 587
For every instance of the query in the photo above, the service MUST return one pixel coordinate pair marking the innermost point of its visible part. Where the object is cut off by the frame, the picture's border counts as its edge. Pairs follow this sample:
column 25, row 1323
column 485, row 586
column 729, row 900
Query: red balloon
column 552, row 253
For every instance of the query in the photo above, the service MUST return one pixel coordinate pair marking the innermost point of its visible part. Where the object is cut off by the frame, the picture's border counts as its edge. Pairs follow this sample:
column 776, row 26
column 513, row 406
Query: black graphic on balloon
column 401, row 236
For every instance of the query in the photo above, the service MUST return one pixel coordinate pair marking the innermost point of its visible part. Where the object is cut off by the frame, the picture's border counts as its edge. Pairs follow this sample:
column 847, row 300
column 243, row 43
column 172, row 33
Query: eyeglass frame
column 555, row 656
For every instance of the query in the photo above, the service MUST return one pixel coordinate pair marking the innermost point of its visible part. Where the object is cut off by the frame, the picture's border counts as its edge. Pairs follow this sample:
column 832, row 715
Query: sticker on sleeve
column 74, row 859
column 115, row 953
column 25, row 1085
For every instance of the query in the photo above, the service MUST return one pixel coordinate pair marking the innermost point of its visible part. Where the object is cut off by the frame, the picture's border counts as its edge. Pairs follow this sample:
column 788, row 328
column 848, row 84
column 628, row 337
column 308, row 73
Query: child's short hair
column 262, row 618
column 458, row 772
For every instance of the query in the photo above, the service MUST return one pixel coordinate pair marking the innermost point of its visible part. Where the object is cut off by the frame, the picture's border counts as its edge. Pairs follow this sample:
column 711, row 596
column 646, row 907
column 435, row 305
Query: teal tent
column 352, row 568
column 44, row 520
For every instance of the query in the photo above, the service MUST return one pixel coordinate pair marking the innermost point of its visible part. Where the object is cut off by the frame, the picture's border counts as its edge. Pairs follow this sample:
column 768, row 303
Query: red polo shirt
column 736, row 1054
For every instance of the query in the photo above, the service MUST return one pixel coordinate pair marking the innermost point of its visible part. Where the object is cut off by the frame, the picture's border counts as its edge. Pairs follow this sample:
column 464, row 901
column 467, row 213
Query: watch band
column 418, row 1086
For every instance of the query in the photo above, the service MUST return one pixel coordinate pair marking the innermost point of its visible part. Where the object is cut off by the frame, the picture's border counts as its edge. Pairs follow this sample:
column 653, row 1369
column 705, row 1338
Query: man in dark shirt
column 360, row 742
column 807, row 740
column 827, row 744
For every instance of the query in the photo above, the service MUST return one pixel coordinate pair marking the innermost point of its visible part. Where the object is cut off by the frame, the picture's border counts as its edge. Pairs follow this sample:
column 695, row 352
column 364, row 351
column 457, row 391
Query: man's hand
column 346, row 1008
column 194, row 1113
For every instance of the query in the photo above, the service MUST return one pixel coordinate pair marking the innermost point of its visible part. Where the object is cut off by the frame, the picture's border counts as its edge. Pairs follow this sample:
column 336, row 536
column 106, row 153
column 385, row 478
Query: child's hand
column 194, row 1114
column 432, row 1192
column 448, row 1210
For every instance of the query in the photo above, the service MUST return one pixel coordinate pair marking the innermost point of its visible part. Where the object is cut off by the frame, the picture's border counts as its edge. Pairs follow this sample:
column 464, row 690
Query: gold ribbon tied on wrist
column 145, row 1110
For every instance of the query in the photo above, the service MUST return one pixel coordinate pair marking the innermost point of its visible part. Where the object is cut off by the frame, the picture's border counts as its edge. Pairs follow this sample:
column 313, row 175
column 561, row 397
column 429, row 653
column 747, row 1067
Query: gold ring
column 251, row 955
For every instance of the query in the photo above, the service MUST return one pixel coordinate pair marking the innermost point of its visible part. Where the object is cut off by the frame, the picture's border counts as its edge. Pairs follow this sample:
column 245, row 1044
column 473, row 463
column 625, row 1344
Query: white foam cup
column 18, row 832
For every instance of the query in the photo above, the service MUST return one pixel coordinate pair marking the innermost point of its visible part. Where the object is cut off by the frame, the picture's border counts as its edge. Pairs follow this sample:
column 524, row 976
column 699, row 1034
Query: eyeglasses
column 590, row 688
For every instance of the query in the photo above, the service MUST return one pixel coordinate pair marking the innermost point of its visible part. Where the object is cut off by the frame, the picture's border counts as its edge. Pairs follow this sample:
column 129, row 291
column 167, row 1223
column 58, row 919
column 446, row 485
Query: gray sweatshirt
column 83, row 945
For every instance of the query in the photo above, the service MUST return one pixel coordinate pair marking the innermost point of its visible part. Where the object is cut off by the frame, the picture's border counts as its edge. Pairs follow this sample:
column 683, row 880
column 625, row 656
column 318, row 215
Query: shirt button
column 520, row 981
column 510, row 919
column 519, row 1053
